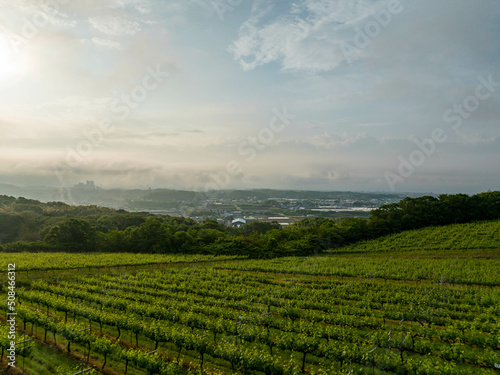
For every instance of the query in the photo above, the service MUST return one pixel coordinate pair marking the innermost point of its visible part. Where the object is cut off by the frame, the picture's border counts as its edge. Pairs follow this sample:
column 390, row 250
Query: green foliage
column 258, row 227
column 94, row 228
column 457, row 237
column 413, row 213
column 30, row 221
column 72, row 235
column 11, row 226
column 291, row 315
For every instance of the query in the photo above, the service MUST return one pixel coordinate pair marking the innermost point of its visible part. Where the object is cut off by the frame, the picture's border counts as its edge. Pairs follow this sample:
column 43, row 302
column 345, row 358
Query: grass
column 44, row 360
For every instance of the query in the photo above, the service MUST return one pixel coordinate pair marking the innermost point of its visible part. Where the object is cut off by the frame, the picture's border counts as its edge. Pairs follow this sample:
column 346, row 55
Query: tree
column 73, row 235
column 183, row 242
column 151, row 237
column 207, row 236
column 353, row 229
column 259, row 227
column 115, row 241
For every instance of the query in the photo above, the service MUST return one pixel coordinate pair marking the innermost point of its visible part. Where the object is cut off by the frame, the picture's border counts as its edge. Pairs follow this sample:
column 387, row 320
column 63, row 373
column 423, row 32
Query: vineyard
column 419, row 302
column 459, row 237
column 70, row 261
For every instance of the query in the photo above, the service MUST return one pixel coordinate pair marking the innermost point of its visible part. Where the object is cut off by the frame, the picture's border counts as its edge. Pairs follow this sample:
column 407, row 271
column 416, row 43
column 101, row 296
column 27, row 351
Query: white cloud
column 106, row 43
column 75, row 110
column 327, row 140
column 306, row 38
column 112, row 25
column 143, row 6
column 353, row 120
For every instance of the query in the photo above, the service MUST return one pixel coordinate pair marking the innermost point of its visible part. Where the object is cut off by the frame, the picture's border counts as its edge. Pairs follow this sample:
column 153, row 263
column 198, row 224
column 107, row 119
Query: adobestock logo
column 250, row 148
column 223, row 6
column 455, row 115
column 139, row 93
column 38, row 20
column 406, row 168
column 470, row 104
column 372, row 29
column 122, row 107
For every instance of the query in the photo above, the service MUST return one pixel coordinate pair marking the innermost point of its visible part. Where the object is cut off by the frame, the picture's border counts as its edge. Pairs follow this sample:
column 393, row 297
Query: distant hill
column 7, row 189
column 24, row 219
column 141, row 199
column 61, row 226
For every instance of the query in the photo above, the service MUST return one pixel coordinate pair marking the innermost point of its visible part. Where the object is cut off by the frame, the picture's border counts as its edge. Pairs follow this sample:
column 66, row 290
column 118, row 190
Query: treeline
column 29, row 220
column 119, row 231
column 429, row 211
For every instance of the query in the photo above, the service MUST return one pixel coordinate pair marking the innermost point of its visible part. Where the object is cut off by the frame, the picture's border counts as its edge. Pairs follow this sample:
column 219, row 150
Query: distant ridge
column 123, row 197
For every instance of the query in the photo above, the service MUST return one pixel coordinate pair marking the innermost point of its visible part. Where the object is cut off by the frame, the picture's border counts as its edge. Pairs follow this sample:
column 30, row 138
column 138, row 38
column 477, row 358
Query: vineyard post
column 304, row 361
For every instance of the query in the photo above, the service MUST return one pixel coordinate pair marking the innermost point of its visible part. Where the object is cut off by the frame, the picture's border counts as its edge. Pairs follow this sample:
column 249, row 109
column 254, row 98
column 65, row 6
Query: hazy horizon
column 201, row 189
column 394, row 96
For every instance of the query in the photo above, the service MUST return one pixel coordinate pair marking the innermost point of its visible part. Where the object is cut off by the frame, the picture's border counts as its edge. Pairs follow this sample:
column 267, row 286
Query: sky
column 396, row 96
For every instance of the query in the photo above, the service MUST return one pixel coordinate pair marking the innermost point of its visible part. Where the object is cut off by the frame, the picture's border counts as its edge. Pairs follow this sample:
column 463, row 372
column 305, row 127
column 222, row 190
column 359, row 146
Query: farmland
column 376, row 308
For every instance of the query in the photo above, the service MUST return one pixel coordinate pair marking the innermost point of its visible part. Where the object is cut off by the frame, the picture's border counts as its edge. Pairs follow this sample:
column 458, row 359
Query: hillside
column 24, row 219
column 419, row 302
column 460, row 254
column 460, row 237
column 28, row 225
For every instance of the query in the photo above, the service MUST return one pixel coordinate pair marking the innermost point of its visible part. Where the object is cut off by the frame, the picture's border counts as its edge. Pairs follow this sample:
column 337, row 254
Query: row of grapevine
column 206, row 318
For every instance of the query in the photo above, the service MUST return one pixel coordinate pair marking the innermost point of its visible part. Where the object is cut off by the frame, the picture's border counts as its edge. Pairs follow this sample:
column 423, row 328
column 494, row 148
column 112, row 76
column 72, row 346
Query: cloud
column 353, row 119
column 38, row 11
column 83, row 102
column 76, row 109
column 107, row 43
column 372, row 124
column 143, row 6
column 307, row 37
column 477, row 139
column 311, row 35
column 337, row 162
column 113, row 25
column 327, row 140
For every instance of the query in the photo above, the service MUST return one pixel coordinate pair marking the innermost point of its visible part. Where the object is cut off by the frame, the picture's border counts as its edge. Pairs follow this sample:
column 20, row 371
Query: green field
column 459, row 237
column 417, row 302
column 70, row 261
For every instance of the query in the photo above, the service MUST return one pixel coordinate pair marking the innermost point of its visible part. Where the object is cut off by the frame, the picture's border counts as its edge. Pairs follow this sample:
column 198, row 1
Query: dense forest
column 29, row 225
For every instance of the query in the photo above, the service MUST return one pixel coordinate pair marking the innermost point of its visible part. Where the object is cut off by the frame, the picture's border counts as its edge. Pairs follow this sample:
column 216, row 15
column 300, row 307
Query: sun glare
column 11, row 63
